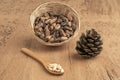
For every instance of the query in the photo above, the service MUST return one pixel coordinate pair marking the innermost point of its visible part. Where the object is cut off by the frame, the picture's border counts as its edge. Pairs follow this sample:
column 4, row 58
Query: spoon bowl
column 53, row 72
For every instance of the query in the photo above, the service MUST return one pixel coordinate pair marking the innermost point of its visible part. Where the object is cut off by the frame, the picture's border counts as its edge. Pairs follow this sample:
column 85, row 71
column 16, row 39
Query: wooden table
column 15, row 33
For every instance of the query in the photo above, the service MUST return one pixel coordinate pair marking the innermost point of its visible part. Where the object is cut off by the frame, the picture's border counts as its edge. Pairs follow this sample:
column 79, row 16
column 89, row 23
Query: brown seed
column 57, row 26
column 54, row 24
column 42, row 19
column 53, row 20
column 73, row 27
column 48, row 37
column 64, row 38
column 38, row 33
column 42, row 36
column 56, row 33
column 47, row 32
column 39, row 24
column 37, row 20
column 68, row 35
column 45, row 15
column 69, row 32
column 51, row 39
column 62, row 32
column 47, row 21
column 68, row 28
column 40, row 29
column 66, row 19
column 36, row 27
column 69, row 24
column 57, row 40
column 51, row 27
column 59, row 20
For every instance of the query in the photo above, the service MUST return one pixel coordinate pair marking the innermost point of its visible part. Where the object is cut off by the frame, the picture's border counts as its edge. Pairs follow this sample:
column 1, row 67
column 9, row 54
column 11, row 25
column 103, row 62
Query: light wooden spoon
column 41, row 60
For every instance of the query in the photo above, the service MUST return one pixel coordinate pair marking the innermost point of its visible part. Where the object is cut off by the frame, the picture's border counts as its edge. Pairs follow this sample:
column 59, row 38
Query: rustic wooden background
column 15, row 33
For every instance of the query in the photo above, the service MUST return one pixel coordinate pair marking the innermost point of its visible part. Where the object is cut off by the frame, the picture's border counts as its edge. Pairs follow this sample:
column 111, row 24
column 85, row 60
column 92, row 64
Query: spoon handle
column 33, row 55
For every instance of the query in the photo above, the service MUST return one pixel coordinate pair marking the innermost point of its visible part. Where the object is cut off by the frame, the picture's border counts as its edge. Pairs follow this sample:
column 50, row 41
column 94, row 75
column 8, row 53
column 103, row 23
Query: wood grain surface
column 15, row 33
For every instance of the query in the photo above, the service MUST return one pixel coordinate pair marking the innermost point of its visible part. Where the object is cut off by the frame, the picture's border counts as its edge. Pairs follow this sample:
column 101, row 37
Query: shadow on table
column 35, row 44
column 79, row 57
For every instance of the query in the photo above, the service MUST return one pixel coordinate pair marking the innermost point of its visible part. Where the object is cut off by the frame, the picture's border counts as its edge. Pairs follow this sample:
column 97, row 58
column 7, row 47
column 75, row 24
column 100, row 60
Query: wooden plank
column 15, row 33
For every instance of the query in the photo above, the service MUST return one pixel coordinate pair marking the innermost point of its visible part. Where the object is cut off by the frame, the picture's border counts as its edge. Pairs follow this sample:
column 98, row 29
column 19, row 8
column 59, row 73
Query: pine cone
column 90, row 44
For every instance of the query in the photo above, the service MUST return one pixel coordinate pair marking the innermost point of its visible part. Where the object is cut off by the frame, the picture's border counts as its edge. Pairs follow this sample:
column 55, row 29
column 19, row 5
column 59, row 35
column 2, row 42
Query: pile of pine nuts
column 54, row 28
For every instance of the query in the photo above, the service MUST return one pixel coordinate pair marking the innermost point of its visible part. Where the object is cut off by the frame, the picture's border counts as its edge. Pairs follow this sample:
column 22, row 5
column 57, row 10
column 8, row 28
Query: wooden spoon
column 41, row 60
